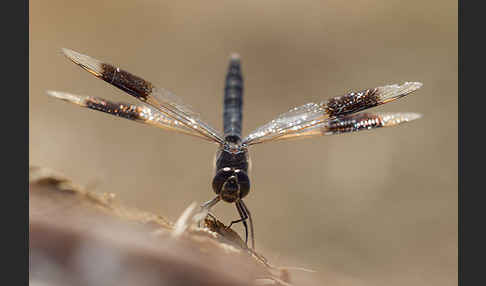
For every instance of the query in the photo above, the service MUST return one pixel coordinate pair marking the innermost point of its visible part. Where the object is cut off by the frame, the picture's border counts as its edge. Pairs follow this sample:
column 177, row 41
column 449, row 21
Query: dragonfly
column 231, row 183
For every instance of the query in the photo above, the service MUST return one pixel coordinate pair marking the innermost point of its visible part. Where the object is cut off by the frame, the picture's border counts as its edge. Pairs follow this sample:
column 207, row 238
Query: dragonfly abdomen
column 233, row 101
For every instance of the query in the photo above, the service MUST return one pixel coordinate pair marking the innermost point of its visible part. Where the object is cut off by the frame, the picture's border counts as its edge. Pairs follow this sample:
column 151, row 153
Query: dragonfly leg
column 208, row 205
column 247, row 212
column 243, row 219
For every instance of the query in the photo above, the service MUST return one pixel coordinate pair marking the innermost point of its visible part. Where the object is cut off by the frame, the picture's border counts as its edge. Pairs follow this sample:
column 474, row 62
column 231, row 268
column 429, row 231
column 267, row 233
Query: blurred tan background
column 373, row 208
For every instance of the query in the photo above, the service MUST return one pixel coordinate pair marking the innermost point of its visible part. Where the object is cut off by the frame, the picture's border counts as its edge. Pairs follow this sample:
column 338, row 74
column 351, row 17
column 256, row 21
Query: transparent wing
column 159, row 98
column 312, row 114
column 352, row 123
column 142, row 114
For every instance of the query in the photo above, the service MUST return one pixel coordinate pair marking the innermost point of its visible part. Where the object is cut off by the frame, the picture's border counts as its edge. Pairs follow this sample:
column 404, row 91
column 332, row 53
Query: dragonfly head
column 231, row 184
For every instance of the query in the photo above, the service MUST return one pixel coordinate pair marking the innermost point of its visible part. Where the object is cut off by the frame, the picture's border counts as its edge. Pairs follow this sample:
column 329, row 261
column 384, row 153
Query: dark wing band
column 142, row 114
column 312, row 114
column 352, row 123
column 161, row 99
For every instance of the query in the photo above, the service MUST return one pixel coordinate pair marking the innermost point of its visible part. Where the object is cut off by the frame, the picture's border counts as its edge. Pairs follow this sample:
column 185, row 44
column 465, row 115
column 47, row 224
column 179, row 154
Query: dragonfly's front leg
column 205, row 207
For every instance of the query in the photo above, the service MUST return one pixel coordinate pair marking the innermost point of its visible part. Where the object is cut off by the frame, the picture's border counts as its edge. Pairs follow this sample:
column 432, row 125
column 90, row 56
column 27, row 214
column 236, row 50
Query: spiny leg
column 247, row 212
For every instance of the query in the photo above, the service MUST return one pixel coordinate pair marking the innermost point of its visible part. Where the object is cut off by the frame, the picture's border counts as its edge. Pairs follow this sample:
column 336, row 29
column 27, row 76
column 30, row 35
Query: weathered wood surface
column 79, row 237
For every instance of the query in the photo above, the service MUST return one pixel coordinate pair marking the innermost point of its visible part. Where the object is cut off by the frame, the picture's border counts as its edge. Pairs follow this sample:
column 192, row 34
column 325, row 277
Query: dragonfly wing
column 312, row 114
column 139, row 113
column 161, row 99
column 352, row 123
column 291, row 121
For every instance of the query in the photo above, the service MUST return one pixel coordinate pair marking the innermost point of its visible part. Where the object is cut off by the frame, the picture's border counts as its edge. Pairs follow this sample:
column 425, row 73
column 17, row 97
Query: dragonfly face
column 231, row 183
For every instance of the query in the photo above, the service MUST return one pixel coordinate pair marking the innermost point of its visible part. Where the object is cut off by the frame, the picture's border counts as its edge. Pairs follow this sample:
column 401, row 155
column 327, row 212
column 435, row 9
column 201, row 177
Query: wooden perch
column 82, row 238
